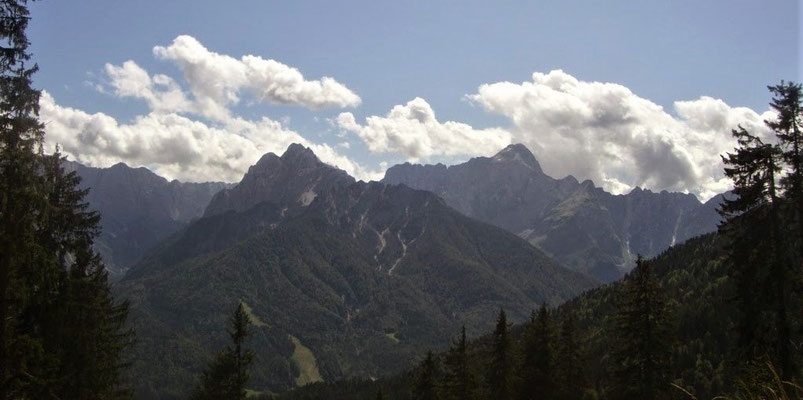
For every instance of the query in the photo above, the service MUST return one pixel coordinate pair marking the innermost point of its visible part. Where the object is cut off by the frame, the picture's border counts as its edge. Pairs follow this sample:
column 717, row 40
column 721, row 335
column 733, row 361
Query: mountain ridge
column 138, row 208
column 359, row 264
column 578, row 223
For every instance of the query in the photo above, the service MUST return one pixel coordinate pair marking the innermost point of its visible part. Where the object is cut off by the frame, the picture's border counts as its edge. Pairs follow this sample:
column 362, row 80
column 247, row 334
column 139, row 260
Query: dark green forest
column 718, row 315
column 62, row 334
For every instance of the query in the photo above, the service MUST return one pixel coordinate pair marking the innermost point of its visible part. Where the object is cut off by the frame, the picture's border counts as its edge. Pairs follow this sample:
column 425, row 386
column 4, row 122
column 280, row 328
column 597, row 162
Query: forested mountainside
column 579, row 224
column 693, row 279
column 487, row 280
column 358, row 277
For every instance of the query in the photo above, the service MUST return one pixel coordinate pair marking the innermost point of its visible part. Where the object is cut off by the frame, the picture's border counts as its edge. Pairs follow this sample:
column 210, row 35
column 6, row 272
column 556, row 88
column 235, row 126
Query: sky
column 623, row 93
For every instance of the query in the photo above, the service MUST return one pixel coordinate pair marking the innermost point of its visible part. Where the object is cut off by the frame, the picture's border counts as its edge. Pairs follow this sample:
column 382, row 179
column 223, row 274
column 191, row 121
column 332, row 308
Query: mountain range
column 138, row 209
column 342, row 278
column 353, row 279
column 579, row 224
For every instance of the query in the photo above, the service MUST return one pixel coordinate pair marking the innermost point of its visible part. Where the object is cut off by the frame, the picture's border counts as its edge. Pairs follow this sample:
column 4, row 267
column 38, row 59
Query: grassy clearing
column 392, row 336
column 305, row 361
column 254, row 319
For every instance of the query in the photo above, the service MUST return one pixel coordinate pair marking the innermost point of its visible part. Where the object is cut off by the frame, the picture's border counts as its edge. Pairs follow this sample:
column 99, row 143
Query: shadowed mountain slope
column 579, row 224
column 365, row 276
column 139, row 209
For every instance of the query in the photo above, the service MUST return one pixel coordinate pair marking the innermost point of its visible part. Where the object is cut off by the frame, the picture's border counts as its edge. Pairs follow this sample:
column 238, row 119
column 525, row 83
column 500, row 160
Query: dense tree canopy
column 642, row 338
column 62, row 334
column 764, row 228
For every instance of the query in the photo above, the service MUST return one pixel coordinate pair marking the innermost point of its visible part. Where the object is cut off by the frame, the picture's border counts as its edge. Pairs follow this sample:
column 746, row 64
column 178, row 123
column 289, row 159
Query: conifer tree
column 570, row 372
column 227, row 376
column 61, row 333
column 537, row 381
column 787, row 127
column 459, row 382
column 760, row 255
column 426, row 387
column 20, row 136
column 642, row 338
column 79, row 320
column 500, row 371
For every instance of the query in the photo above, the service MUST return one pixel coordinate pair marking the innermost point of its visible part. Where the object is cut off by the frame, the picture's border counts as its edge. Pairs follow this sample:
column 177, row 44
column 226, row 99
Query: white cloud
column 604, row 132
column 217, row 80
column 413, row 131
column 161, row 92
column 592, row 130
column 176, row 146
column 172, row 141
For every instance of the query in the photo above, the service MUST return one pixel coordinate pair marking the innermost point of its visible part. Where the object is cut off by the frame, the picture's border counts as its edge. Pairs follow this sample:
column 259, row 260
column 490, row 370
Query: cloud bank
column 413, row 131
column 195, row 136
column 592, row 130
column 604, row 132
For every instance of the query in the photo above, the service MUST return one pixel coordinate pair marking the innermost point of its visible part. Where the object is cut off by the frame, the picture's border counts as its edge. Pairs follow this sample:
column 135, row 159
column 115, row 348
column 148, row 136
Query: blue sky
column 720, row 55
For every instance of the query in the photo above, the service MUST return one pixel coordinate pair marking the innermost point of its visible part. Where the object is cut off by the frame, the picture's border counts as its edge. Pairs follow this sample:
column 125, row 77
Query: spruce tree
column 459, row 382
column 760, row 255
column 79, row 319
column 227, row 376
column 537, row 381
column 20, row 136
column 426, row 387
column 570, row 371
column 500, row 372
column 787, row 127
column 61, row 333
column 642, row 338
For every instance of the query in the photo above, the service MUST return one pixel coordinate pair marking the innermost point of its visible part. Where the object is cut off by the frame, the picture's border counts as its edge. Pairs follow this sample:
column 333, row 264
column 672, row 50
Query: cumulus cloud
column 175, row 146
column 413, row 131
column 171, row 140
column 161, row 92
column 604, row 132
column 217, row 80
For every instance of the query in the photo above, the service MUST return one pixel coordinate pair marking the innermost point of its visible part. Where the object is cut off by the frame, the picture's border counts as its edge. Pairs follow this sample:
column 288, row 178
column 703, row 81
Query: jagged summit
column 266, row 159
column 518, row 152
column 298, row 154
column 294, row 179
column 578, row 223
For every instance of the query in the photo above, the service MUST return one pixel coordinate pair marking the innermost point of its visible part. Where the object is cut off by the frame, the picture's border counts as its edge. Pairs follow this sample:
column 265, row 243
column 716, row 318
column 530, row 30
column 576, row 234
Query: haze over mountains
column 579, row 224
column 138, row 209
column 361, row 276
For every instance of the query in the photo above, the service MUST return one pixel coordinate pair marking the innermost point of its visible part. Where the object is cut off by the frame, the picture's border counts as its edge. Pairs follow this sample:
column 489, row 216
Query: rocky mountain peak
column 299, row 156
column 518, row 153
column 580, row 224
column 291, row 180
